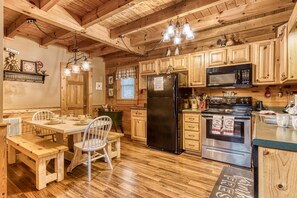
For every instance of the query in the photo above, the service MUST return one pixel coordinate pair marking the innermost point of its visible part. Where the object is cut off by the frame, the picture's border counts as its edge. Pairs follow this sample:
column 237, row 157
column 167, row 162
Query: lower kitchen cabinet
column 277, row 173
column 138, row 125
column 191, row 132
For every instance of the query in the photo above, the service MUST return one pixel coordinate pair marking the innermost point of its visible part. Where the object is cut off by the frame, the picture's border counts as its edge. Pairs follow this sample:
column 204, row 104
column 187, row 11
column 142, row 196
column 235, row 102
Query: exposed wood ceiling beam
column 59, row 17
column 18, row 24
column 107, row 10
column 86, row 45
column 215, row 20
column 59, row 34
column 239, row 27
column 180, row 9
column 47, row 4
column 103, row 51
column 293, row 18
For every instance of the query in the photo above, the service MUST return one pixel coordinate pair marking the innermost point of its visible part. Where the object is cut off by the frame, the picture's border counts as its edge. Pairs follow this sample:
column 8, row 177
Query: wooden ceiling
column 105, row 27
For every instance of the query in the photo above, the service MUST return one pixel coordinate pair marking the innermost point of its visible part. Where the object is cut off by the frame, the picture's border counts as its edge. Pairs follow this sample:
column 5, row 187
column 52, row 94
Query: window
column 127, row 88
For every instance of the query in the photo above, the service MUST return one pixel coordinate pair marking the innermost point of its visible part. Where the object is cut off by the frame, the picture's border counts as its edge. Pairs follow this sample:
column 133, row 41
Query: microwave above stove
column 229, row 76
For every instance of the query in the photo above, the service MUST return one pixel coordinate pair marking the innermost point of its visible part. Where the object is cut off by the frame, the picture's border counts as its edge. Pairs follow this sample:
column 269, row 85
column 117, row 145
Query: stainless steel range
column 233, row 147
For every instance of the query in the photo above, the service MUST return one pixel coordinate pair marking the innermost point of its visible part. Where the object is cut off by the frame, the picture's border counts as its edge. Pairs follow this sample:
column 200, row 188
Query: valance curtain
column 126, row 73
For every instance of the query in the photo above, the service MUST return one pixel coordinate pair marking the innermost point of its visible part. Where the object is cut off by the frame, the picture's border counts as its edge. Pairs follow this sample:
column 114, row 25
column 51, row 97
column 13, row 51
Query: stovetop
column 237, row 106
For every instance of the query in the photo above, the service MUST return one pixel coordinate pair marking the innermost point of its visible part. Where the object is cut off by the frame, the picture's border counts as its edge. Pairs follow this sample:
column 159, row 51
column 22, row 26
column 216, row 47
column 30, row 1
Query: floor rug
column 234, row 183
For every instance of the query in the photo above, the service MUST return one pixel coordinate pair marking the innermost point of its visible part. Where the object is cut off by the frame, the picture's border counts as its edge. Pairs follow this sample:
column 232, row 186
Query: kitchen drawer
column 191, row 126
column 192, row 135
column 192, row 145
column 138, row 113
column 192, row 118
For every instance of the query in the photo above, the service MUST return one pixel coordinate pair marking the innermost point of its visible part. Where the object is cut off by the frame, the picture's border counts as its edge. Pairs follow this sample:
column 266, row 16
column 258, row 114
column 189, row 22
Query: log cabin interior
column 182, row 98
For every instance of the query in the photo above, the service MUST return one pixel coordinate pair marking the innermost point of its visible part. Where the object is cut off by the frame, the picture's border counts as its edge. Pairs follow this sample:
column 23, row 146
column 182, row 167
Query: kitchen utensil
column 259, row 105
column 194, row 103
column 282, row 120
column 185, row 103
column 267, row 92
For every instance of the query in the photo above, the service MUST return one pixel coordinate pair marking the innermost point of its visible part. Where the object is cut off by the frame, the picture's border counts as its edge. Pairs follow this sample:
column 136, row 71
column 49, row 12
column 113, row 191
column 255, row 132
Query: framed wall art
column 110, row 92
column 28, row 66
column 110, row 80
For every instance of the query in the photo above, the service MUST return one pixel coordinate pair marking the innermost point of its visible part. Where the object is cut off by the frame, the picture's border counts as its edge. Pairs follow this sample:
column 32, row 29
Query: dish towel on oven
column 228, row 125
column 216, row 124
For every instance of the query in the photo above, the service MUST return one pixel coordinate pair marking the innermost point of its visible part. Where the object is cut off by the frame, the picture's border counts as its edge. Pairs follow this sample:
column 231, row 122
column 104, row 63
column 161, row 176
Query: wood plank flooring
column 140, row 172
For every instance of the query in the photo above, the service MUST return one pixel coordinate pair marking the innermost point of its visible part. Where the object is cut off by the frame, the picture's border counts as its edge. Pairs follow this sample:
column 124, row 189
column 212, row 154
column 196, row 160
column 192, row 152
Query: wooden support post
column 40, row 173
column 12, row 155
column 3, row 157
column 59, row 166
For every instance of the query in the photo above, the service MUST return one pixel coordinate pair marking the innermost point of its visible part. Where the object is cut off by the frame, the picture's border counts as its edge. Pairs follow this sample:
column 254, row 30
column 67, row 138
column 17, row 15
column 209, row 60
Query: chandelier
column 76, row 66
column 176, row 31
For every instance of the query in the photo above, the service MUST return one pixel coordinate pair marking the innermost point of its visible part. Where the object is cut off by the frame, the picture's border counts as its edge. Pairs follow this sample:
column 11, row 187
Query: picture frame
column 28, row 66
column 110, row 92
column 109, row 80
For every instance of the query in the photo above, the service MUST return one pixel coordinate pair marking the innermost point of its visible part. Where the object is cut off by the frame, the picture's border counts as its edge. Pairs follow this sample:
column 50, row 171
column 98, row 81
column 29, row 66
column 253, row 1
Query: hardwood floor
column 140, row 172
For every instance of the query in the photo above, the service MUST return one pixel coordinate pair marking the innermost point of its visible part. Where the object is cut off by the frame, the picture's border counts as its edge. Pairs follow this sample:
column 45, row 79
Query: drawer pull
column 191, row 145
column 192, row 127
column 191, row 135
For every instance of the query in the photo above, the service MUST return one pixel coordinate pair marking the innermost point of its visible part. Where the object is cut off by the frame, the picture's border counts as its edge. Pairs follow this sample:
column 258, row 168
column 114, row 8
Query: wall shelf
column 23, row 76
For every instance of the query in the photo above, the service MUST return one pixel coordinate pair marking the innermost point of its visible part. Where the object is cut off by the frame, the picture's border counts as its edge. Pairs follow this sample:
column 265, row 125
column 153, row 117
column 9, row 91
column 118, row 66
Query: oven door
column 239, row 141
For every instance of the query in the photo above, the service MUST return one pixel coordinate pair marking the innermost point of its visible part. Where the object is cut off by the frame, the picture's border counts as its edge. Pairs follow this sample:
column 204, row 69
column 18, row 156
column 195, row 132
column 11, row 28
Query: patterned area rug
column 234, row 183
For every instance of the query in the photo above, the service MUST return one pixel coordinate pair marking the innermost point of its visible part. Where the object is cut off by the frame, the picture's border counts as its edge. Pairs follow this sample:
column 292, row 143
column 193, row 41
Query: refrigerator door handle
column 174, row 98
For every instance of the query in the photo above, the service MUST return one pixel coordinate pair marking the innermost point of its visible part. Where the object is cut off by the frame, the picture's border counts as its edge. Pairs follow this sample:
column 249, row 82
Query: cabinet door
column 277, row 173
column 218, row 57
column 239, row 54
column 180, row 63
column 283, row 56
column 292, row 51
column 147, row 67
column 264, row 68
column 164, row 64
column 197, row 70
column 138, row 128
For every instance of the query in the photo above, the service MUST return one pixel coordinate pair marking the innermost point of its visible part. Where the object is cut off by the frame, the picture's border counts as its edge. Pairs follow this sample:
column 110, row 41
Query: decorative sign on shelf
column 28, row 66
column 11, row 63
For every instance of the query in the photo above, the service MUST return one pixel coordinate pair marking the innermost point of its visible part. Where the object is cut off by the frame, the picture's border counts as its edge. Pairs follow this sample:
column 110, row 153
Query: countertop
column 191, row 110
column 138, row 108
column 272, row 136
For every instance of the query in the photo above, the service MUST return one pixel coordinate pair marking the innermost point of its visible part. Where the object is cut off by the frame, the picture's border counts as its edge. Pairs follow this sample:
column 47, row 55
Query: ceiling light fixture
column 74, row 61
column 176, row 31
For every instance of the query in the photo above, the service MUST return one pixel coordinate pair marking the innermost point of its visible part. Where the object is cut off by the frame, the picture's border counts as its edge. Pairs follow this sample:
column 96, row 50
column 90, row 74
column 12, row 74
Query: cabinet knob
column 292, row 76
column 231, row 62
column 265, row 152
column 257, row 80
column 267, row 75
column 225, row 62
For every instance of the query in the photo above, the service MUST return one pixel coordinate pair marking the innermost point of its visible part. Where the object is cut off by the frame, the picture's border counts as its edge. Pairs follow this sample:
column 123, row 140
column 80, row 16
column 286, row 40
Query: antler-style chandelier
column 176, row 31
column 74, row 61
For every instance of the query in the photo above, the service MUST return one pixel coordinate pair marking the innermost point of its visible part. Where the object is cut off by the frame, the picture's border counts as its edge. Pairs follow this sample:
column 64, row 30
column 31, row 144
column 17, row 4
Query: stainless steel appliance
column 164, row 100
column 235, row 148
column 229, row 76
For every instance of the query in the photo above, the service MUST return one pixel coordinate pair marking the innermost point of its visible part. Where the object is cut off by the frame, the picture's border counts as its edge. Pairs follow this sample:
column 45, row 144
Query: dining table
column 70, row 128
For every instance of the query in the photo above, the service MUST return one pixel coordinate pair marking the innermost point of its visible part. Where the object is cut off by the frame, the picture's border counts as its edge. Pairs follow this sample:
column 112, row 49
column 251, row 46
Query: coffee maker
column 259, row 105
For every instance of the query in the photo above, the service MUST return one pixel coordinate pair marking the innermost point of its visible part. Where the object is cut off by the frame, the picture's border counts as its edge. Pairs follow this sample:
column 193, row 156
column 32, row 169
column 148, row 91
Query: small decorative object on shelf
column 11, row 63
column 28, row 66
column 39, row 66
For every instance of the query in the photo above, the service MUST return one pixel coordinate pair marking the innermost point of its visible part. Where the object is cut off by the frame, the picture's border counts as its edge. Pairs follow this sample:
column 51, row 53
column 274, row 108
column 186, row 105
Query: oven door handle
column 235, row 118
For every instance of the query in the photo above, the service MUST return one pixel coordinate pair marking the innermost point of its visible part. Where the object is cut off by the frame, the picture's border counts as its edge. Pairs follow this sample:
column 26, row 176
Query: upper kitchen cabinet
column 230, row 55
column 217, row 57
column 264, row 63
column 282, row 34
column 180, row 63
column 148, row 67
column 164, row 63
column 197, row 70
column 292, row 54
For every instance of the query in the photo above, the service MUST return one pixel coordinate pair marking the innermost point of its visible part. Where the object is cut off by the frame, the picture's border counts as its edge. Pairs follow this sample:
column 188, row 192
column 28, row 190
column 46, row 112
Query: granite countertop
column 139, row 108
column 191, row 110
column 272, row 136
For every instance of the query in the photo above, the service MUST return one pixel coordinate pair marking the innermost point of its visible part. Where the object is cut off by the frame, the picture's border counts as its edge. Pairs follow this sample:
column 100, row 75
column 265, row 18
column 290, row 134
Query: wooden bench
column 36, row 152
column 114, row 144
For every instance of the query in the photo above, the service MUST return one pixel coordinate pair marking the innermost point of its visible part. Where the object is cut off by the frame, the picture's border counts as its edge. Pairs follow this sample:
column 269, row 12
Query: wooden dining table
column 67, row 128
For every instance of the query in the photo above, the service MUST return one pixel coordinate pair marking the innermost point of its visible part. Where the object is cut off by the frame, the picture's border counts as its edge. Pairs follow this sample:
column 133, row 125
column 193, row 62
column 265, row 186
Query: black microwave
column 229, row 76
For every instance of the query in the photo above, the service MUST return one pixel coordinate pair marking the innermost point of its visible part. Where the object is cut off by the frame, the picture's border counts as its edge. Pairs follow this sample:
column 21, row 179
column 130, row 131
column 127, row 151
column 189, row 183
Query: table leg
column 60, row 138
column 78, row 157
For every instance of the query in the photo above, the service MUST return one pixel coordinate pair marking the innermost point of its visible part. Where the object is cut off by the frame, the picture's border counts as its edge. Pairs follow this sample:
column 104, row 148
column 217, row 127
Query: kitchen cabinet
column 264, row 62
column 180, row 63
column 148, row 67
column 283, row 52
column 292, row 57
column 191, row 132
column 197, row 70
column 230, row 55
column 138, row 125
column 277, row 173
column 164, row 63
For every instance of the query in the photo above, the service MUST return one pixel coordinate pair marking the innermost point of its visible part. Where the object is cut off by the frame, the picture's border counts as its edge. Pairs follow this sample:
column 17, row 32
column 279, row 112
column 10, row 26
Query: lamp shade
column 170, row 30
column 166, row 37
column 186, row 28
column 85, row 66
column 67, row 72
column 177, row 39
column 190, row 35
column 75, row 69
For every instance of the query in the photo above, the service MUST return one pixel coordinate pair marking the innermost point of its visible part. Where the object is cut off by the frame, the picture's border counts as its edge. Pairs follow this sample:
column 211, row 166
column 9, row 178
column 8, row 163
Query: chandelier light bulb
column 166, row 37
column 75, row 69
column 170, row 30
column 85, row 66
column 190, row 35
column 177, row 39
column 67, row 72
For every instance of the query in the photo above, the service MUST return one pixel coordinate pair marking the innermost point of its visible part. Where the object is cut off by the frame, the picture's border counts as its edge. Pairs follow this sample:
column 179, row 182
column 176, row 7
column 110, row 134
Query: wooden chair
column 95, row 139
column 43, row 115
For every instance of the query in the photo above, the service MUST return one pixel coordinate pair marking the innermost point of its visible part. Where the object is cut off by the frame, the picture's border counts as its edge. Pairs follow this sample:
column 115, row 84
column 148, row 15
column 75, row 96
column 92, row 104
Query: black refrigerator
column 163, row 112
